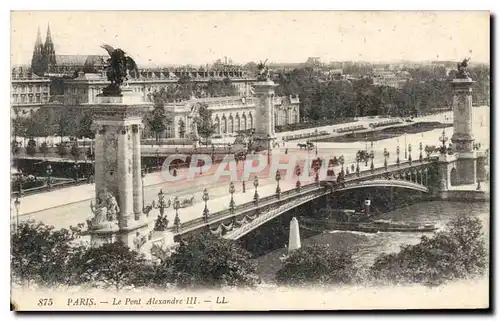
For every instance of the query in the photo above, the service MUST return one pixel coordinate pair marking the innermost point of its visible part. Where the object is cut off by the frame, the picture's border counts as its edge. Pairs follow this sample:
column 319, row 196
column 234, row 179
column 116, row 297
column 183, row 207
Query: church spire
column 49, row 52
column 37, row 61
column 49, row 36
column 38, row 38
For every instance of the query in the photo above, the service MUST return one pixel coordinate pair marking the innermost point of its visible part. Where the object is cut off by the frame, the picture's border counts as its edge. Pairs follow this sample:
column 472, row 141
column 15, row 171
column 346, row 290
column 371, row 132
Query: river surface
column 368, row 246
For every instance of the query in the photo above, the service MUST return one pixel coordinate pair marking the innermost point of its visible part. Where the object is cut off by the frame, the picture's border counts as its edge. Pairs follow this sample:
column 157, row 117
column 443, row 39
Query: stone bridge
column 244, row 218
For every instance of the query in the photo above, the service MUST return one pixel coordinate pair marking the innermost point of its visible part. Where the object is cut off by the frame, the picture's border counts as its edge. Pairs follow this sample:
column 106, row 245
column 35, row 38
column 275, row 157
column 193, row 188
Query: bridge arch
column 383, row 183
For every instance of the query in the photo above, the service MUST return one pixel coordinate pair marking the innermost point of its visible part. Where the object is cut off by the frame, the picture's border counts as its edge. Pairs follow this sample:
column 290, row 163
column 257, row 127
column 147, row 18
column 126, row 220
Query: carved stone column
column 125, row 179
column 99, row 170
column 136, row 171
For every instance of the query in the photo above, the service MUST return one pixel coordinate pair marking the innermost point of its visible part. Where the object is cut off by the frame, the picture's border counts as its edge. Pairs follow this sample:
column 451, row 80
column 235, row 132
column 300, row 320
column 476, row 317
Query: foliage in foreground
column 317, row 264
column 45, row 256
column 48, row 257
column 458, row 252
column 208, row 261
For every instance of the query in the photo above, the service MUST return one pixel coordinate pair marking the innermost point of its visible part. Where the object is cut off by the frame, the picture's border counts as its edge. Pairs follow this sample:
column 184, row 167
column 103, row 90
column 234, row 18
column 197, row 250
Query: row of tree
column 186, row 88
column 77, row 122
column 427, row 90
column 62, row 122
column 51, row 257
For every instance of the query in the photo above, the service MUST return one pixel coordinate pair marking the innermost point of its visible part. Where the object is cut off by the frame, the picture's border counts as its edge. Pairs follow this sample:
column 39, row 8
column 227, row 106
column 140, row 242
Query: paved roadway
column 75, row 213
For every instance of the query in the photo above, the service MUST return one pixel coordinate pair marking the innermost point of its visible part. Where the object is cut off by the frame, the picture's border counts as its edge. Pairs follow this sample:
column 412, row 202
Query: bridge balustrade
column 249, row 206
column 270, row 203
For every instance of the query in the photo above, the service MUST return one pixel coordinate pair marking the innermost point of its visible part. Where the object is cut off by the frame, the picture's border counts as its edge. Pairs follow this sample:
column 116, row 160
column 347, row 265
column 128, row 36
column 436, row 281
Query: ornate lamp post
column 372, row 156
column 143, row 174
column 162, row 221
column 316, row 140
column 386, row 155
column 157, row 154
column 443, row 139
column 297, row 172
column 256, row 195
column 278, row 178
column 49, row 175
column 177, row 220
column 420, row 147
column 231, row 202
column 76, row 167
column 341, row 160
column 406, row 155
column 409, row 153
column 205, row 198
column 397, row 155
column 357, row 165
column 17, row 205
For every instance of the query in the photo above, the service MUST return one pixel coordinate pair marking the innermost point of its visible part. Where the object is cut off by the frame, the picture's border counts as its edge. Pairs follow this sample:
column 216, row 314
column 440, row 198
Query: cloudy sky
column 160, row 38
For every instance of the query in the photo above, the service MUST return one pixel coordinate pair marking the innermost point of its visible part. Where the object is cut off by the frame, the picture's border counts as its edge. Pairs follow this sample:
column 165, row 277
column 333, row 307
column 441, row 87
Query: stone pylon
column 264, row 114
column 118, row 212
column 463, row 137
column 294, row 238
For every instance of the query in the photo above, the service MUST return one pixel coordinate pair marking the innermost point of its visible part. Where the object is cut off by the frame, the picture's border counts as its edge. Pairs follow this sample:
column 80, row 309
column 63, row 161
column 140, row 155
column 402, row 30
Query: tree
column 182, row 128
column 204, row 121
column 75, row 151
column 209, row 261
column 317, row 264
column 43, row 255
column 456, row 253
column 158, row 121
column 84, row 126
column 31, row 148
column 44, row 149
column 112, row 265
column 65, row 123
column 62, row 150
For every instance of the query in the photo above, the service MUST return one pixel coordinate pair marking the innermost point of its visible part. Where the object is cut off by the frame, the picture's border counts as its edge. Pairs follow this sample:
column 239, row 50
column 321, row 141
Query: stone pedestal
column 264, row 115
column 446, row 163
column 294, row 238
column 462, row 138
column 118, row 180
column 467, row 168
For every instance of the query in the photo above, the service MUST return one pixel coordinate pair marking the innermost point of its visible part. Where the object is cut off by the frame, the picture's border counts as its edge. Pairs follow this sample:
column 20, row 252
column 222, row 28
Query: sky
column 200, row 37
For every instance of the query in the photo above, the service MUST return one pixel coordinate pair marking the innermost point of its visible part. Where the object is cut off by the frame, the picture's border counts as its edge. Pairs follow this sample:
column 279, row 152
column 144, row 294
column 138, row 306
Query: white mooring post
column 294, row 239
column 367, row 207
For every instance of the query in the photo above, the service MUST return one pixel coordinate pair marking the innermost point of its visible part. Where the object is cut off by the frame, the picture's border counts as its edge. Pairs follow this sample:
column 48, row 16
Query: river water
column 368, row 246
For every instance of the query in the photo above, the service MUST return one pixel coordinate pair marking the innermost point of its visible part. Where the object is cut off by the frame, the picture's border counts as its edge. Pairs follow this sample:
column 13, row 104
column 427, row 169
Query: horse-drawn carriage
column 187, row 202
column 308, row 145
column 363, row 155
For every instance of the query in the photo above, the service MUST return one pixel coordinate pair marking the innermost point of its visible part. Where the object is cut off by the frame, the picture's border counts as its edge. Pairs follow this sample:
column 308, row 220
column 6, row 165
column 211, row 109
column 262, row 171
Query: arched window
column 217, row 125
column 238, row 123
column 224, row 124
column 231, row 124
column 251, row 120
column 245, row 126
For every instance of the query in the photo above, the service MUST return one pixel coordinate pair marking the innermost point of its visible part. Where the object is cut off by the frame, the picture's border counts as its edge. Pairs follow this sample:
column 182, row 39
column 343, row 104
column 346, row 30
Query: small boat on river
column 349, row 220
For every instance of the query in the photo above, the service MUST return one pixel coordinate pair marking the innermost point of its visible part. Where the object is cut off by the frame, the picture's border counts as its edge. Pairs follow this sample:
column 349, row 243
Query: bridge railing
column 382, row 170
column 239, row 209
column 353, row 179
